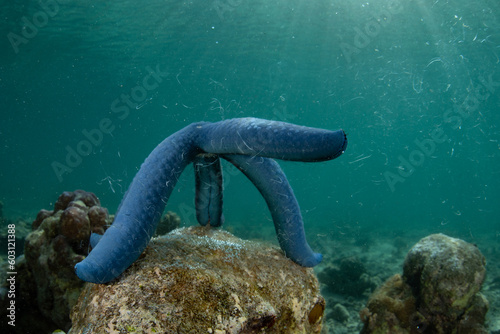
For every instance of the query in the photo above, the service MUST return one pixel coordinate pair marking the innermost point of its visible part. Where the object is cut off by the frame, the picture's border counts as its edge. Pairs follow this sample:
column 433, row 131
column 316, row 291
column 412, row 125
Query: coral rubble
column 203, row 280
column 438, row 292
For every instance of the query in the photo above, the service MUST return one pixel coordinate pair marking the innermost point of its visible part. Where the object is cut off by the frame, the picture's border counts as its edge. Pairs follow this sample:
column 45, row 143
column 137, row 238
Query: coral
column 204, row 280
column 60, row 239
column 389, row 308
column 438, row 292
column 347, row 277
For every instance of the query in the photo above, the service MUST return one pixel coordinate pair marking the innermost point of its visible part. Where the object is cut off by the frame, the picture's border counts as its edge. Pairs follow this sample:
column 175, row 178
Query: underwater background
column 415, row 84
column 387, row 72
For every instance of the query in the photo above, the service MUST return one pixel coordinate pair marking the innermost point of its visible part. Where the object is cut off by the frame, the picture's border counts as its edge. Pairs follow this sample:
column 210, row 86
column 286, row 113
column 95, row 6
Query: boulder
column 204, row 280
column 438, row 292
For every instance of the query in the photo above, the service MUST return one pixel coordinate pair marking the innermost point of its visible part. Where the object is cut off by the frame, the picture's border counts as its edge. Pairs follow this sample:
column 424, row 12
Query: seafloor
column 377, row 254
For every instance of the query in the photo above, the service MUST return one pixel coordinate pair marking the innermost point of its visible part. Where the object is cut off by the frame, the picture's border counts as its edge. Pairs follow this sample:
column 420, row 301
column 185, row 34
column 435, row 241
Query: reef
column 204, row 280
column 60, row 239
column 437, row 293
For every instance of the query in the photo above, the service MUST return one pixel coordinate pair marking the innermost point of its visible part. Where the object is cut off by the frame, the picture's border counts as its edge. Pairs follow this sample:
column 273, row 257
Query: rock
column 438, row 293
column 60, row 239
column 446, row 274
column 204, row 280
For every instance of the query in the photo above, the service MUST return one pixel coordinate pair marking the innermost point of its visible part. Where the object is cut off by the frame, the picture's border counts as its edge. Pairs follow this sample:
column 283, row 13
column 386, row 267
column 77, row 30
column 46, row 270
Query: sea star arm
column 141, row 208
column 272, row 139
column 208, row 196
column 272, row 183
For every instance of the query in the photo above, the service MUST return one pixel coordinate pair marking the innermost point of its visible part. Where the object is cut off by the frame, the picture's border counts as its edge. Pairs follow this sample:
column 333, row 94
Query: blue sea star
column 249, row 144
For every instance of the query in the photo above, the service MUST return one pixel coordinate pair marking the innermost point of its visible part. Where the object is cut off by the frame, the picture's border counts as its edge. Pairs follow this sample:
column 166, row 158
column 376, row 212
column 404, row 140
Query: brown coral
column 75, row 224
column 58, row 241
column 389, row 308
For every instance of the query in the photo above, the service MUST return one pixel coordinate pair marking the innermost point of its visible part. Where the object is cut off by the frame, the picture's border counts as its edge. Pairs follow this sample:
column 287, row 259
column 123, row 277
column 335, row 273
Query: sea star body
column 248, row 143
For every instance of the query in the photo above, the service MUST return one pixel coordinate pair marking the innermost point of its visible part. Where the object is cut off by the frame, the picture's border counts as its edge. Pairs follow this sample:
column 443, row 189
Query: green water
column 392, row 74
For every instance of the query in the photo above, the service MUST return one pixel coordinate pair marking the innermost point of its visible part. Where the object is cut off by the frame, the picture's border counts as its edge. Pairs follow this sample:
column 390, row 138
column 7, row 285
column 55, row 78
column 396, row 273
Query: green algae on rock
column 438, row 292
column 202, row 280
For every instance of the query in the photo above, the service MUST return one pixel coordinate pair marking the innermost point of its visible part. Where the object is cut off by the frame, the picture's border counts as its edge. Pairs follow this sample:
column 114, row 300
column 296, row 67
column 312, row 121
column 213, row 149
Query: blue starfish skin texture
column 250, row 144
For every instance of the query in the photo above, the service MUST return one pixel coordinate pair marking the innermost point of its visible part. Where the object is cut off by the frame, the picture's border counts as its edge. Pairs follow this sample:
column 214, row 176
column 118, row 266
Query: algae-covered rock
column 446, row 274
column 438, row 292
column 202, row 280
